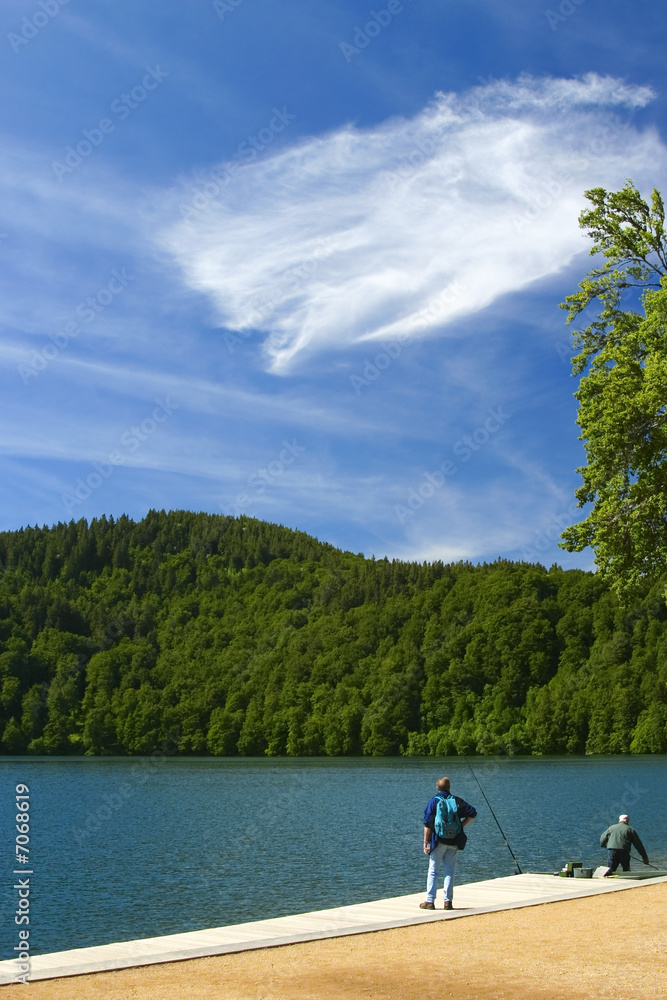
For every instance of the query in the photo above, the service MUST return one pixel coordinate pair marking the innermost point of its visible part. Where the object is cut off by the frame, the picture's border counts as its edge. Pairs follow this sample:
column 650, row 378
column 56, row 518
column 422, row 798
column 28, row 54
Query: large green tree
column 622, row 360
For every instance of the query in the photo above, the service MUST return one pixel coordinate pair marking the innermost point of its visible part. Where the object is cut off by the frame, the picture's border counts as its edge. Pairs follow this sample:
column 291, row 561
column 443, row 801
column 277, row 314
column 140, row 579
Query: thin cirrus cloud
column 475, row 535
column 400, row 229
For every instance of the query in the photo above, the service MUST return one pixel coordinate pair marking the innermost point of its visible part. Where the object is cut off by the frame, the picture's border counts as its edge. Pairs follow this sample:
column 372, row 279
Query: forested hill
column 194, row 633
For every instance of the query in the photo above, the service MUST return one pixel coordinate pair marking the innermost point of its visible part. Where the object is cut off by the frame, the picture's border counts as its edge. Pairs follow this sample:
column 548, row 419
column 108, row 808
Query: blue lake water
column 131, row 848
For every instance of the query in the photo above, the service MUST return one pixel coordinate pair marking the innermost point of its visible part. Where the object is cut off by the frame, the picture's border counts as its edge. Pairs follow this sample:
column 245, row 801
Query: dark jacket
column 620, row 837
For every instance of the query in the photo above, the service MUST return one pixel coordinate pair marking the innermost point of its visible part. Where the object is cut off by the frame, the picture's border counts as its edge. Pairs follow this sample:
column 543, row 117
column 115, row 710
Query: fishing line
column 518, row 867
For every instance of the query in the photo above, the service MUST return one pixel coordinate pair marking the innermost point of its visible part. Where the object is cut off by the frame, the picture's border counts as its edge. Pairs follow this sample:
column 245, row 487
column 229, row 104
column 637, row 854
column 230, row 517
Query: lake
column 130, row 848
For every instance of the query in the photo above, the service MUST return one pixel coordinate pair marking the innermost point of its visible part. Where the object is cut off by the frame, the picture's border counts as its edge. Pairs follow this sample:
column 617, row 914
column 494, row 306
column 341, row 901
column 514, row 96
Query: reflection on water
column 127, row 848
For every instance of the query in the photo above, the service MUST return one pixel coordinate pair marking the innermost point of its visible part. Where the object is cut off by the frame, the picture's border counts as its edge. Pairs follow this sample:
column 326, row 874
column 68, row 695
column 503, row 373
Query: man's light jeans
column 445, row 855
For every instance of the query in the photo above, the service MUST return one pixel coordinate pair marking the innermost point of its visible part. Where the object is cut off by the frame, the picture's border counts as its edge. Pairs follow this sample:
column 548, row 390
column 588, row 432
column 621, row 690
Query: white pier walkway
column 402, row 911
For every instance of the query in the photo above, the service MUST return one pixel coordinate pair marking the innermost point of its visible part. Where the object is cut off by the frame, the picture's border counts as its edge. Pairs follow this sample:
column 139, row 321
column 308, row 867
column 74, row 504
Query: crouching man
column 618, row 839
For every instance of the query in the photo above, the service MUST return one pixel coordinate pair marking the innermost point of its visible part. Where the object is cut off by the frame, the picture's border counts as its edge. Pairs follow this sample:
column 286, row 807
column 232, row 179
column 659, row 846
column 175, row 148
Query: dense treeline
column 194, row 633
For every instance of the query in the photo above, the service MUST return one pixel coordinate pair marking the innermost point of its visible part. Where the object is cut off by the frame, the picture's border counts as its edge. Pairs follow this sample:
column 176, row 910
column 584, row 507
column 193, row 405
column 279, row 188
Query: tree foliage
column 622, row 358
column 198, row 634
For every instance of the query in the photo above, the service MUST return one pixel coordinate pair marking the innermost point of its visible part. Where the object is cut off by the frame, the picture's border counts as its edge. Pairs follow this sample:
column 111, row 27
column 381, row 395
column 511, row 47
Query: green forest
column 191, row 633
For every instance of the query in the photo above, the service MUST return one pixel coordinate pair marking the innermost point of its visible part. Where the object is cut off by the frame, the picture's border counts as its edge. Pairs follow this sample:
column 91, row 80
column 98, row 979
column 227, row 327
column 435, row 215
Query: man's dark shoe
column 427, row 905
column 448, row 904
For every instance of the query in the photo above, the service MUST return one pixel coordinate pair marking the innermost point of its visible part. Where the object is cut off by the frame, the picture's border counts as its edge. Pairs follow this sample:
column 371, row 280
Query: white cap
column 624, row 818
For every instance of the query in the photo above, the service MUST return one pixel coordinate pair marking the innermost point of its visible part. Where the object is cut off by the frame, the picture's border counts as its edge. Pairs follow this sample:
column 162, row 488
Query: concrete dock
column 401, row 911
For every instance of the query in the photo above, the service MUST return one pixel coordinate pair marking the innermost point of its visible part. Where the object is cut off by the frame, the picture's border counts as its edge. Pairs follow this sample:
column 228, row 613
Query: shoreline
column 612, row 945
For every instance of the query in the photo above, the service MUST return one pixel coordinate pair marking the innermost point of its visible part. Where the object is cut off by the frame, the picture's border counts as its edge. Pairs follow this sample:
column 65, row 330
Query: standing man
column 447, row 814
column 618, row 839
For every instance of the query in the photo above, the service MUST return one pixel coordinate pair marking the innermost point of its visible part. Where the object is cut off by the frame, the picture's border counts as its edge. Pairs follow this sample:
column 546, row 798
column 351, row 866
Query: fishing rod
column 648, row 866
column 518, row 867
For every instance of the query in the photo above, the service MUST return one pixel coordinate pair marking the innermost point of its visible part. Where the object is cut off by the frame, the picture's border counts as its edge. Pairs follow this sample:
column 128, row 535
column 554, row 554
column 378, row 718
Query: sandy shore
column 607, row 946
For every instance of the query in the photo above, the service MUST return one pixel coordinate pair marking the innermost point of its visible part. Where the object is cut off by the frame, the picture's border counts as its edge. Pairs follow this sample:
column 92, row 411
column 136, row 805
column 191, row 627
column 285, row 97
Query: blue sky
column 302, row 261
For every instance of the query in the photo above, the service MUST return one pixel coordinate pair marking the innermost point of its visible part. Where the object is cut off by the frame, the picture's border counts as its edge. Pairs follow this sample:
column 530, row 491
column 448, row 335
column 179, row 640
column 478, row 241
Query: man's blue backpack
column 447, row 822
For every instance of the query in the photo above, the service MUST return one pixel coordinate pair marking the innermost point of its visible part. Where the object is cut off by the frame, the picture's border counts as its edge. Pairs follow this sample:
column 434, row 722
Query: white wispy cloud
column 458, row 523
column 402, row 228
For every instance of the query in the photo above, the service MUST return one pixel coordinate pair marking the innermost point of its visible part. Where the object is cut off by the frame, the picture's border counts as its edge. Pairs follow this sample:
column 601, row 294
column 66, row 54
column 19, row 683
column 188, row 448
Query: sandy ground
column 607, row 946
